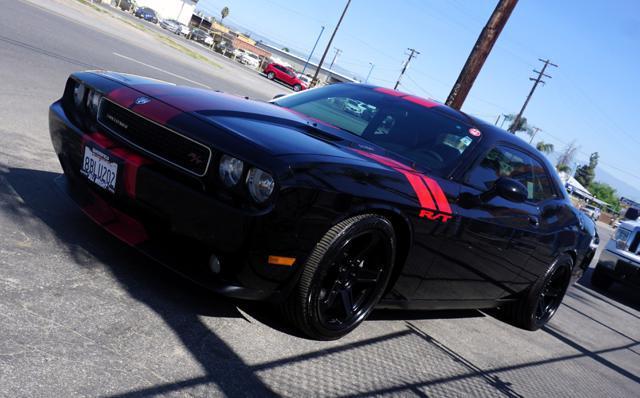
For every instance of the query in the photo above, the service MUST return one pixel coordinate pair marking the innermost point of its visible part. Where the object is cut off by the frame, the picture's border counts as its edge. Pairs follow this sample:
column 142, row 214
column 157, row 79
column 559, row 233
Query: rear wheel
column 535, row 309
column 344, row 278
column 297, row 87
column 600, row 280
column 271, row 75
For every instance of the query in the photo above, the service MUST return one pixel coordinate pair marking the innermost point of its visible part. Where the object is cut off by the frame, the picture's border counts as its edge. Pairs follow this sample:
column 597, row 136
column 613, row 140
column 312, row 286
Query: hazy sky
column 592, row 97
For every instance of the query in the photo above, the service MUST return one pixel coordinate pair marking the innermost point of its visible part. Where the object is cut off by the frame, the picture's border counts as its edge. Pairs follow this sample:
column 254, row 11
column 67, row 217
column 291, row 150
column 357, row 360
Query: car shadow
column 181, row 304
column 617, row 293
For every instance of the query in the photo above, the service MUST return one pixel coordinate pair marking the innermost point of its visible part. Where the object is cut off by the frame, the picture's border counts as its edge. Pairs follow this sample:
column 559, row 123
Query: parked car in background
column 128, row 5
column 201, row 36
column 620, row 259
column 148, row 14
column 185, row 30
column 250, row 59
column 354, row 107
column 592, row 211
column 171, row 25
column 285, row 75
column 328, row 215
column 225, row 48
column 305, row 79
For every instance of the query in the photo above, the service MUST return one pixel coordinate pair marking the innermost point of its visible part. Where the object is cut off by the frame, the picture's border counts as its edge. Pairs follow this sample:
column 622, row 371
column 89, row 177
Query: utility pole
column 312, row 50
column 479, row 53
column 414, row 53
column 536, row 80
column 370, row 70
column 497, row 120
column 335, row 56
column 326, row 50
column 533, row 133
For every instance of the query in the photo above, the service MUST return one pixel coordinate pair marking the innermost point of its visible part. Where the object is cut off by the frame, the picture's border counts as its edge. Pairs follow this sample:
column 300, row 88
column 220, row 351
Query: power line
column 536, row 81
column 414, row 53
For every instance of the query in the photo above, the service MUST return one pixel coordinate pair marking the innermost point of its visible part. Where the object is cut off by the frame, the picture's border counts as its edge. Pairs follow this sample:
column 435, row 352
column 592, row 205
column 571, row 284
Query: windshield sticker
column 475, row 132
column 465, row 141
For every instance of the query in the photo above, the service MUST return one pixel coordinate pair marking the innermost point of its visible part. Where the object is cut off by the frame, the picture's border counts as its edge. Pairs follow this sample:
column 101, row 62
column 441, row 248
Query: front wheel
column 297, row 87
column 540, row 304
column 271, row 75
column 343, row 278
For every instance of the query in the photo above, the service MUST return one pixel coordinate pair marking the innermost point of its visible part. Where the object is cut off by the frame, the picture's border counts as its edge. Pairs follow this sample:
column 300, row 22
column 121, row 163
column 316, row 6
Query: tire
column 271, row 75
column 342, row 280
column 538, row 306
column 601, row 280
column 297, row 87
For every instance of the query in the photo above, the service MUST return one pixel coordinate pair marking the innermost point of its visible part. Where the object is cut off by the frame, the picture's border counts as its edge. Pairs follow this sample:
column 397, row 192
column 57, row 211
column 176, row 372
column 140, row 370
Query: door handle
column 535, row 221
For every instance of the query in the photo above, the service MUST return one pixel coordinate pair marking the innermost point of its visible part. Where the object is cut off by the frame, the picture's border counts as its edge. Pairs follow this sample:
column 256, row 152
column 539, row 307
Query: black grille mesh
column 154, row 139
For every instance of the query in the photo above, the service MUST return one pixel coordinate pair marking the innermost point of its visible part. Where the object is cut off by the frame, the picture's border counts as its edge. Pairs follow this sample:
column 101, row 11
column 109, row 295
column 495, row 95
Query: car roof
column 491, row 135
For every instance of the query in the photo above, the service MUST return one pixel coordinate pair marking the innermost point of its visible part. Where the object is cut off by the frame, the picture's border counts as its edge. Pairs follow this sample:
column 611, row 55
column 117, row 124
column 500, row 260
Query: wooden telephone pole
column 326, row 50
column 536, row 81
column 480, row 51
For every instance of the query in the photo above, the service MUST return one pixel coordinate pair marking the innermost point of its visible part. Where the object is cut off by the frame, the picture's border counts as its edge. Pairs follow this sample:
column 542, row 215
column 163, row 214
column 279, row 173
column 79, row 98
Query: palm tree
column 544, row 147
column 223, row 14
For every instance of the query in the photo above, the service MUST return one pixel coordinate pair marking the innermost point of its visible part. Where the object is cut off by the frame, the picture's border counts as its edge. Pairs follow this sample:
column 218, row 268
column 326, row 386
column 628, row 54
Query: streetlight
column 370, row 70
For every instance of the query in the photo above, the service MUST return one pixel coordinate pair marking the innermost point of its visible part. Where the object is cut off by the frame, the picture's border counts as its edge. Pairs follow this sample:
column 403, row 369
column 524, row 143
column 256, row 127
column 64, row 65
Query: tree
column 522, row 123
column 544, row 147
column 586, row 173
column 285, row 49
column 223, row 14
column 606, row 193
column 566, row 157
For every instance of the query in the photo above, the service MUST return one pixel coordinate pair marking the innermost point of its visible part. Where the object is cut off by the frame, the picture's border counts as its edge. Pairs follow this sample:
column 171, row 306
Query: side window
column 507, row 162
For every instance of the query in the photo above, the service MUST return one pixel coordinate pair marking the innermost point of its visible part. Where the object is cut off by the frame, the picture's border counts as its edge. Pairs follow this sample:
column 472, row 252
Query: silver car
column 620, row 260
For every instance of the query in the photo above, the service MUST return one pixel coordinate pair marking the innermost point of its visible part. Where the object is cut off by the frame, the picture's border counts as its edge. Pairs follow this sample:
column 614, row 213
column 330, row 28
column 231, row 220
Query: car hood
column 279, row 131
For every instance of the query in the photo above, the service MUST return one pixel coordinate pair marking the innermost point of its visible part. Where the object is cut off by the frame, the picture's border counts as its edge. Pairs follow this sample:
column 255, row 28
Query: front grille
column 154, row 139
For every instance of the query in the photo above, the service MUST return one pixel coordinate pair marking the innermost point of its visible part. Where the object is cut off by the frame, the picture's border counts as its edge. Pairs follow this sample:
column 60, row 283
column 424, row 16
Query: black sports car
column 320, row 210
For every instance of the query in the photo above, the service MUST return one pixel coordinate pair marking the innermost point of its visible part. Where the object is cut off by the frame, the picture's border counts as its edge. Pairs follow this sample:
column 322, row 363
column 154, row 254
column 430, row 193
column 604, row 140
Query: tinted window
column 424, row 135
column 511, row 163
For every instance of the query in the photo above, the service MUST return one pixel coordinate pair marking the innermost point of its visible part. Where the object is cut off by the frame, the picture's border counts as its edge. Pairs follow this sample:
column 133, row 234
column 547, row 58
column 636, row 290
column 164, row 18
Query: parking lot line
column 161, row 70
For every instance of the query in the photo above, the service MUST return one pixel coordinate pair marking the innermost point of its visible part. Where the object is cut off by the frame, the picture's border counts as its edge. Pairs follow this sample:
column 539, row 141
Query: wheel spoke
column 367, row 277
column 346, row 296
column 375, row 239
column 541, row 308
column 330, row 298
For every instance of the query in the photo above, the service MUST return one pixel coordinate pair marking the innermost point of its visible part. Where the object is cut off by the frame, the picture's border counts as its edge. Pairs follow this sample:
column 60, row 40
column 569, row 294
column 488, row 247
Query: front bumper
column 168, row 219
column 619, row 267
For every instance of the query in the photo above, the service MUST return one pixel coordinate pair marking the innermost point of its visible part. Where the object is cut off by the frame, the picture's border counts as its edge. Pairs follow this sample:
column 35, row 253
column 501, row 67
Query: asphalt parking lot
column 82, row 315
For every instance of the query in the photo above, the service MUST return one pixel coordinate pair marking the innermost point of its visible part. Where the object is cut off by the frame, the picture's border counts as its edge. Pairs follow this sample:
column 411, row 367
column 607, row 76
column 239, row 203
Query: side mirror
column 275, row 97
column 511, row 190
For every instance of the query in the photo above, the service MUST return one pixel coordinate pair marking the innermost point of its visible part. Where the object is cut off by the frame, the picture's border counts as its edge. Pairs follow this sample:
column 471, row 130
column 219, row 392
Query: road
column 81, row 315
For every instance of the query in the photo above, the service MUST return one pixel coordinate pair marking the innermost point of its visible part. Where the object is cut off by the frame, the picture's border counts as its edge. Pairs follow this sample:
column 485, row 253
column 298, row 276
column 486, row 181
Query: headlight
column 230, row 170
column 78, row 93
column 93, row 101
column 260, row 184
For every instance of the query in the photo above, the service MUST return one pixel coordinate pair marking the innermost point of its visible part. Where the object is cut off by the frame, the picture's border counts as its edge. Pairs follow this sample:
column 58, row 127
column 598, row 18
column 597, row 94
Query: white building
column 180, row 10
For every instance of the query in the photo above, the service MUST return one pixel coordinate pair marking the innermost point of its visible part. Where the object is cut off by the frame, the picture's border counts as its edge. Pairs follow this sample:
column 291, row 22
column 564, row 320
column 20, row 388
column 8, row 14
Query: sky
column 592, row 97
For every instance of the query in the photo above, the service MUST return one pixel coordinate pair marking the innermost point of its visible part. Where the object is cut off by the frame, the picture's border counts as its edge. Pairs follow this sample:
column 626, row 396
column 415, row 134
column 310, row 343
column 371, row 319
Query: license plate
column 99, row 169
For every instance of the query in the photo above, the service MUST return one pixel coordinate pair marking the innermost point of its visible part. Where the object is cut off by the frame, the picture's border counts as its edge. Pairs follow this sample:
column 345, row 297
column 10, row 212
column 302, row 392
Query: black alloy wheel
column 540, row 303
column 344, row 278
column 551, row 294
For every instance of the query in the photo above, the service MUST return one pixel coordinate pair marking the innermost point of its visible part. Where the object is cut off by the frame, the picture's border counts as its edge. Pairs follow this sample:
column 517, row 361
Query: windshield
column 426, row 136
